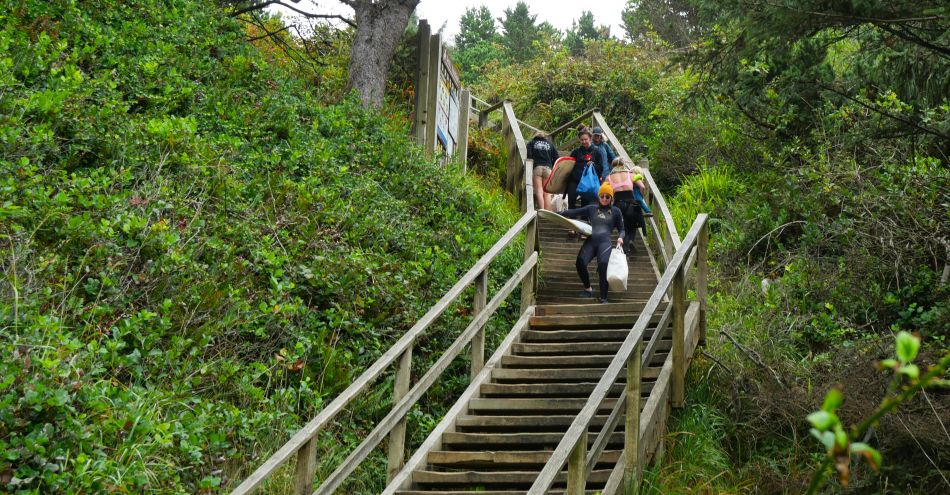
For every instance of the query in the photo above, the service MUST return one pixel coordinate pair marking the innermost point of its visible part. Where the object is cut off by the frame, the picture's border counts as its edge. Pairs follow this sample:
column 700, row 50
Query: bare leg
column 547, row 201
column 539, row 196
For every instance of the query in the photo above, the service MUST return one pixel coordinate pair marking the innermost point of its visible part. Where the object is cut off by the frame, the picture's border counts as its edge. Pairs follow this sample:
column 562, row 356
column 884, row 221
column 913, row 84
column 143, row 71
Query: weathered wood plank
column 397, row 437
column 679, row 337
column 492, row 478
column 503, row 458
column 499, row 440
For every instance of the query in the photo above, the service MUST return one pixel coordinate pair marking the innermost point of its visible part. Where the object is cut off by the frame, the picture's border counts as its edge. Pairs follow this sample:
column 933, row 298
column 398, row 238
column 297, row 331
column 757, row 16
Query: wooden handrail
column 574, row 439
column 301, row 442
column 400, row 410
column 572, row 123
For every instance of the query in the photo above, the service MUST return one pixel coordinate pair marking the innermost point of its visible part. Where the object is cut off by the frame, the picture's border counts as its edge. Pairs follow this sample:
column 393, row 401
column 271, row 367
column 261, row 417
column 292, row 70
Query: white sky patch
column 560, row 13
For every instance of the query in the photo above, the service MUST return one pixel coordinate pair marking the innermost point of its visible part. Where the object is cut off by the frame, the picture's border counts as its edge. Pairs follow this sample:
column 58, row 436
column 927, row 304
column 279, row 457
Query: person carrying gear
column 603, row 218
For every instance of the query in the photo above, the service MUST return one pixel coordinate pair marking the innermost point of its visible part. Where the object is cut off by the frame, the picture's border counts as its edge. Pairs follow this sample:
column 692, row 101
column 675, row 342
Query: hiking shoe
column 586, row 293
column 603, row 301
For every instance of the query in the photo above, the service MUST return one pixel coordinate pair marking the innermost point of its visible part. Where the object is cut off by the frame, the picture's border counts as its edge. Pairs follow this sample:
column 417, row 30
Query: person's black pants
column 632, row 216
column 599, row 247
column 572, row 196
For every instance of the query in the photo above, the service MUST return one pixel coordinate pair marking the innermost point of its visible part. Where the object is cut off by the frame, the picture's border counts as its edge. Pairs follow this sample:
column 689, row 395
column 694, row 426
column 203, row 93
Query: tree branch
column 268, row 34
column 308, row 15
column 882, row 112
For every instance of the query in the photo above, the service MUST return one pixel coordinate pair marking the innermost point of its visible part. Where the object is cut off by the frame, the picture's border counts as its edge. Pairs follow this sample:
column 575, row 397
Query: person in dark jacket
column 544, row 154
column 603, row 218
column 597, row 136
column 585, row 154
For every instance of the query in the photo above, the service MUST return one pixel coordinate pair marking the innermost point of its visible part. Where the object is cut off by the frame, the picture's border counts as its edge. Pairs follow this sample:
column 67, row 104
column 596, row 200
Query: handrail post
column 421, row 118
column 478, row 341
column 678, row 396
column 529, row 285
column 702, row 277
column 462, row 144
column 306, row 466
column 577, row 467
column 397, row 436
column 435, row 61
column 631, row 435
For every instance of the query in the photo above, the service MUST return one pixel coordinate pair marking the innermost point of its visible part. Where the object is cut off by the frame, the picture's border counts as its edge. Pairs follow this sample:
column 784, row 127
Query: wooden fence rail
column 572, row 448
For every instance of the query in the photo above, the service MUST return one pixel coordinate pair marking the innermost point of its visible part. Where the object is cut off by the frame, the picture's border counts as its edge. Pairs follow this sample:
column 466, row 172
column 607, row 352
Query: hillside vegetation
column 195, row 250
column 820, row 152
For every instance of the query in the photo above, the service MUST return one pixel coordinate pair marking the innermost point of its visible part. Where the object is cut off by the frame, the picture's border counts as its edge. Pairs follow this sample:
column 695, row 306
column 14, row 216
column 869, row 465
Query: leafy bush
column 197, row 252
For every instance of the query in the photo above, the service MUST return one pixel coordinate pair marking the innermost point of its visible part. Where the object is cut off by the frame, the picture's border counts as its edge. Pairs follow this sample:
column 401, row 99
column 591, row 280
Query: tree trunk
column 379, row 27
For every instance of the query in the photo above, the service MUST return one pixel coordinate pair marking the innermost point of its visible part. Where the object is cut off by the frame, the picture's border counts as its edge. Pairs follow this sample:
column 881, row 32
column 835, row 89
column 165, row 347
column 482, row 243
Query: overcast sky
column 560, row 13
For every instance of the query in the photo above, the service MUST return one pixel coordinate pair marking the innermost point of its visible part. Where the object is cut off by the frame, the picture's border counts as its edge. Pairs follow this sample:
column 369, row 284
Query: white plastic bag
column 617, row 270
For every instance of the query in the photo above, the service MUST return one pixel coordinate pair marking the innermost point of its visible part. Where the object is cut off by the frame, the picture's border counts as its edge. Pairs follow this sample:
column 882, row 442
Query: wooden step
column 547, row 406
column 470, row 423
column 512, row 458
column 596, row 335
column 458, row 441
column 559, row 390
column 612, row 298
column 578, row 348
column 583, row 321
column 610, row 308
column 484, row 492
column 514, row 375
column 567, row 361
column 496, row 478
column 565, row 349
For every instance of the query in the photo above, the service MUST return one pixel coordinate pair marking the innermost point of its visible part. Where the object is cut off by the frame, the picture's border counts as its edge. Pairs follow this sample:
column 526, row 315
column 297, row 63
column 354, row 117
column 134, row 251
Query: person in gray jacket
column 598, row 138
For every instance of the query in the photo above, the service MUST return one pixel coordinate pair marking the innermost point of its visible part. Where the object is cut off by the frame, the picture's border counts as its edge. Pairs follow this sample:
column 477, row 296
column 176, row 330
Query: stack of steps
column 508, row 432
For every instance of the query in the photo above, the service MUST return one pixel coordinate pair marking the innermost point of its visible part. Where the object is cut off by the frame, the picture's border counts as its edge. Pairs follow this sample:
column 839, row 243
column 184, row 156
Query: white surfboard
column 567, row 223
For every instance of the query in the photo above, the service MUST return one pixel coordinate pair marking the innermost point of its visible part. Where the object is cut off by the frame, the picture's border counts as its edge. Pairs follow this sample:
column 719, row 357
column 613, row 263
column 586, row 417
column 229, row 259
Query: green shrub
column 197, row 253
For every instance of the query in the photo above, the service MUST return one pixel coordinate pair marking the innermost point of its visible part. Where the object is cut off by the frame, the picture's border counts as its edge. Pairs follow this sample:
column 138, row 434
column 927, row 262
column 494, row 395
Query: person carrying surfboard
column 544, row 154
column 603, row 218
column 586, row 154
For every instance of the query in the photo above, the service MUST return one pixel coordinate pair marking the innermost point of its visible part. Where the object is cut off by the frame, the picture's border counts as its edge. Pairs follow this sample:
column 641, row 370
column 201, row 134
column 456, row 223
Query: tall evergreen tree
column 674, row 21
column 520, row 31
column 583, row 30
column 476, row 24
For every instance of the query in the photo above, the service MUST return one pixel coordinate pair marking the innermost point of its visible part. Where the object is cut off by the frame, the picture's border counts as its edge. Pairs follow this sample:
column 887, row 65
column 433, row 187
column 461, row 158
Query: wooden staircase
column 555, row 409
column 500, row 444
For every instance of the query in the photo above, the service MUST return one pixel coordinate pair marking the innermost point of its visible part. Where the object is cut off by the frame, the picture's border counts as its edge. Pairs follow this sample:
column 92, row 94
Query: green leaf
column 833, row 400
column 826, row 438
column 822, row 420
column 907, row 346
column 841, row 438
column 889, row 363
column 872, row 456
column 910, row 370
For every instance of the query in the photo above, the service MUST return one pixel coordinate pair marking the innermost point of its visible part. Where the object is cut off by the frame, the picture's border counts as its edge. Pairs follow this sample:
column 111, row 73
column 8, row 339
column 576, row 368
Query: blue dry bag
column 589, row 185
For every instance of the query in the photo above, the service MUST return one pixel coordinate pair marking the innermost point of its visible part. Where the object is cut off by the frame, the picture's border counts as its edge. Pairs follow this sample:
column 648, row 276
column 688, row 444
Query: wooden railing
column 303, row 444
column 687, row 320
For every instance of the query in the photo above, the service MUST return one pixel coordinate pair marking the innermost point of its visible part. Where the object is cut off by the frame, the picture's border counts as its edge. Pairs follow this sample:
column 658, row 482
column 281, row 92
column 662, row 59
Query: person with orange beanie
column 604, row 217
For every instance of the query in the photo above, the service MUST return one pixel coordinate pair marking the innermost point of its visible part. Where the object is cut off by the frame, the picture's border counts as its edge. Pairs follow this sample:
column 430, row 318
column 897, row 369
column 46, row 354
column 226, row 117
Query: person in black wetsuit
column 603, row 218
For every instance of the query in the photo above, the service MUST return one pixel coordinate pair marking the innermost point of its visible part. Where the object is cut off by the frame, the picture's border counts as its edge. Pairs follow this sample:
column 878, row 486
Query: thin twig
column 755, row 358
